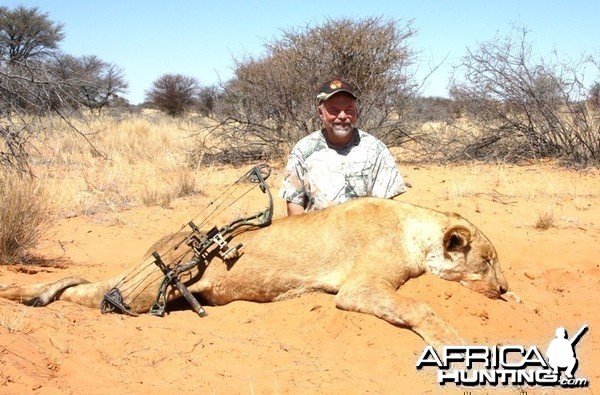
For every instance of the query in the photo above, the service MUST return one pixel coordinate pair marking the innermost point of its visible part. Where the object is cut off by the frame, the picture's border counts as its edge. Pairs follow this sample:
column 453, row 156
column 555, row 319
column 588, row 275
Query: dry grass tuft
column 25, row 215
column 459, row 189
column 15, row 323
column 185, row 182
column 545, row 220
column 152, row 196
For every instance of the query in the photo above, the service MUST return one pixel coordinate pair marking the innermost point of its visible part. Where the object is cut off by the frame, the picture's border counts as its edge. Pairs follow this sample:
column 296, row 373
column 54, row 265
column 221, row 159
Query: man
column 339, row 162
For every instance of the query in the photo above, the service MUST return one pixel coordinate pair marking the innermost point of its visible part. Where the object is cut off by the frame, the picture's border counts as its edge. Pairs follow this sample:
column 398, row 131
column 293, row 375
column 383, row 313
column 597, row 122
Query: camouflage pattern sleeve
column 387, row 181
column 292, row 187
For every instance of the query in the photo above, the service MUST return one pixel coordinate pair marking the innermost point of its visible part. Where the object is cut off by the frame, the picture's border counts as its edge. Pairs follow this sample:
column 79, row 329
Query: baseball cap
column 332, row 87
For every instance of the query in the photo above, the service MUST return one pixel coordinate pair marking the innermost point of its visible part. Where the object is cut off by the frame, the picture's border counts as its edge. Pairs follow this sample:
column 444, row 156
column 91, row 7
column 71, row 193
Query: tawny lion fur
column 362, row 251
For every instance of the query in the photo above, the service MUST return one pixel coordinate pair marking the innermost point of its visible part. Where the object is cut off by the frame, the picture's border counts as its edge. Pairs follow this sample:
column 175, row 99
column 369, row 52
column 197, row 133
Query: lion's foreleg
column 377, row 298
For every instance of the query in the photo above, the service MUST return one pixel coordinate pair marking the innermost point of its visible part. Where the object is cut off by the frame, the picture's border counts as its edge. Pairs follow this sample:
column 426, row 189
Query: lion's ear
column 456, row 238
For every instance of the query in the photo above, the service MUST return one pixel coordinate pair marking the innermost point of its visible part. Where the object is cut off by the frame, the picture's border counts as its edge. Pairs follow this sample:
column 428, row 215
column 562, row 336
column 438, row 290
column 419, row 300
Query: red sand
column 306, row 345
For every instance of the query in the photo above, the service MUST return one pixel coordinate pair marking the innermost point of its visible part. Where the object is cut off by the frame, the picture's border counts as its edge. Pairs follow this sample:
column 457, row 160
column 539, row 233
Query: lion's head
column 471, row 259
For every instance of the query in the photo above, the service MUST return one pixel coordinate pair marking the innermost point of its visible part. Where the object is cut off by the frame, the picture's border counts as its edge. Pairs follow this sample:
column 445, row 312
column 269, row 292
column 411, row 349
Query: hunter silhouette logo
column 561, row 351
column 508, row 364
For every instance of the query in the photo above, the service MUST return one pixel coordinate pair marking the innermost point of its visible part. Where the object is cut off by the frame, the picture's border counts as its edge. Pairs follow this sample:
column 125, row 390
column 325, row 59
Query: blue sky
column 200, row 38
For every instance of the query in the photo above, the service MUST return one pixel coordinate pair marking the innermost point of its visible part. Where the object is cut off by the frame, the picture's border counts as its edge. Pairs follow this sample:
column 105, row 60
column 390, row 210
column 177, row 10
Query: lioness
column 362, row 251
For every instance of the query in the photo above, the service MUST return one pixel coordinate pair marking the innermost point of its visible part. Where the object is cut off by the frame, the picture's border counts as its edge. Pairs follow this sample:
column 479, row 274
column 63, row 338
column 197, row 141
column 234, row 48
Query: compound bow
column 200, row 243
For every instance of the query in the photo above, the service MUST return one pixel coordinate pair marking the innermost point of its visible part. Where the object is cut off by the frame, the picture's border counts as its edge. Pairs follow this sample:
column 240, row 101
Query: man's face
column 339, row 117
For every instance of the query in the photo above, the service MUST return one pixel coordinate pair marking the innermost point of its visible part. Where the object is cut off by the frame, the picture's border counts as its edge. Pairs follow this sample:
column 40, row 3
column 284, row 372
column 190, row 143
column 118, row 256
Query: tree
column 93, row 82
column 33, row 84
column 27, row 33
column 208, row 97
column 524, row 107
column 272, row 98
column 173, row 93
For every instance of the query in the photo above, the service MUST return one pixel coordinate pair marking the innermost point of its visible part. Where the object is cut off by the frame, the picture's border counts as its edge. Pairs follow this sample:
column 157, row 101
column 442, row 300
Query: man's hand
column 294, row 209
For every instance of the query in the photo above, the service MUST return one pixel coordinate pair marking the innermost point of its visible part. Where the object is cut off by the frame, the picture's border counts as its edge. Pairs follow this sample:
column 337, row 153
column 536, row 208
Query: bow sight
column 202, row 244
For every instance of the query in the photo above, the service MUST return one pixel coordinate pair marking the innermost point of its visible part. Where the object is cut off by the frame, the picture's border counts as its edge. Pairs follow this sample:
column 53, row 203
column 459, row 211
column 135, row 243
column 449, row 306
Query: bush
column 271, row 101
column 525, row 108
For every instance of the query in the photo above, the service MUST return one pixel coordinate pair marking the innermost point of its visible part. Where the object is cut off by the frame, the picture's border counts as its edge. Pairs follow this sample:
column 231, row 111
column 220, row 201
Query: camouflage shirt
column 319, row 175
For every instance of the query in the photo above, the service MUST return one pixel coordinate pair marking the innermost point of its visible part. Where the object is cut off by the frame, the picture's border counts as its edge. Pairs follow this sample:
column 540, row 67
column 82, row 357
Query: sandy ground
column 306, row 345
